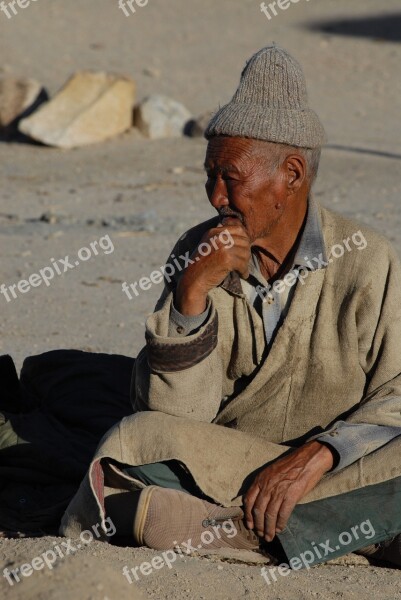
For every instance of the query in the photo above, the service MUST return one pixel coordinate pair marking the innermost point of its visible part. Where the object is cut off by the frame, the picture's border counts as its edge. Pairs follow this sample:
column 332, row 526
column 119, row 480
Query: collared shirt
column 350, row 441
column 273, row 301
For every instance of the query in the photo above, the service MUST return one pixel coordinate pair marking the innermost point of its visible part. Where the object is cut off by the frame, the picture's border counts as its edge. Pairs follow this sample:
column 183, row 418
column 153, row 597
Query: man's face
column 239, row 184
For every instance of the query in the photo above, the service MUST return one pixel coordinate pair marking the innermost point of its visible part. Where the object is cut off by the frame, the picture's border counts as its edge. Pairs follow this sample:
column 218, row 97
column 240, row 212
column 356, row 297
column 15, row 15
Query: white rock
column 161, row 117
column 17, row 98
column 90, row 107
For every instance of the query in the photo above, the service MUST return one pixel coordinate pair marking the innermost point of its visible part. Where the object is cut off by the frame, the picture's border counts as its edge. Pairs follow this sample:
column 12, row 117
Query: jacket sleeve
column 179, row 373
column 351, row 441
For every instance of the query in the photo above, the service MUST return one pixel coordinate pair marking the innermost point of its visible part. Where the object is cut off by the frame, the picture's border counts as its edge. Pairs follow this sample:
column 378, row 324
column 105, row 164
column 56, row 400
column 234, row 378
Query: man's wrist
column 326, row 455
column 182, row 325
column 190, row 302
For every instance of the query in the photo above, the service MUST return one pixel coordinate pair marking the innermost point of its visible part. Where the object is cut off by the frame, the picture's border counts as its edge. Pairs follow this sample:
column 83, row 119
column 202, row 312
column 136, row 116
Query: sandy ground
column 144, row 194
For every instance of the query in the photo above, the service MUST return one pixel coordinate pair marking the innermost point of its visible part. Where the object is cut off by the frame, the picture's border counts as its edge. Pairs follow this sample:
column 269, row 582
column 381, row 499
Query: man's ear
column 295, row 172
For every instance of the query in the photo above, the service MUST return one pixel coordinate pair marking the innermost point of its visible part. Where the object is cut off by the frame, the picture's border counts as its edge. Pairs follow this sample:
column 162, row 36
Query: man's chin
column 258, row 240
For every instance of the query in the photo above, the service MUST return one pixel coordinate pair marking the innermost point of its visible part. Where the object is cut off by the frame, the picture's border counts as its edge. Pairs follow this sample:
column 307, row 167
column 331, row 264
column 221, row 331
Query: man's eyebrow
column 224, row 169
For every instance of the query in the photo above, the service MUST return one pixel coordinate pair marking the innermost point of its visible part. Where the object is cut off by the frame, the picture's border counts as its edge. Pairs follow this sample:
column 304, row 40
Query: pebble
column 196, row 127
column 151, row 72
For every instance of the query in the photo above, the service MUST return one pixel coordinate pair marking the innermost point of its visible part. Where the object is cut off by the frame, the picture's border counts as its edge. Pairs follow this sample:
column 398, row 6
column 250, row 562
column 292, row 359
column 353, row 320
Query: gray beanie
column 270, row 104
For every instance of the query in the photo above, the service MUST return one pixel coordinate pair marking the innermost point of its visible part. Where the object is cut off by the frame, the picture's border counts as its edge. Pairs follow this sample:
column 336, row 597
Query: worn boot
column 167, row 518
column 389, row 551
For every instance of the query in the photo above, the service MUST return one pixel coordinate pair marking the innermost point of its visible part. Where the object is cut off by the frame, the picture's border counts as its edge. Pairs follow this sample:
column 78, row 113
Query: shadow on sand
column 378, row 27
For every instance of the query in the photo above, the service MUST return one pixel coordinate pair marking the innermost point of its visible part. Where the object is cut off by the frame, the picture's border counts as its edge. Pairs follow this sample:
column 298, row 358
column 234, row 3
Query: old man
column 268, row 394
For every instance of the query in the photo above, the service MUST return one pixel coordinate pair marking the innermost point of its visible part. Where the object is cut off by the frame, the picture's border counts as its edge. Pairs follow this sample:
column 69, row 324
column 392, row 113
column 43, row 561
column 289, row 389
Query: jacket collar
column 311, row 244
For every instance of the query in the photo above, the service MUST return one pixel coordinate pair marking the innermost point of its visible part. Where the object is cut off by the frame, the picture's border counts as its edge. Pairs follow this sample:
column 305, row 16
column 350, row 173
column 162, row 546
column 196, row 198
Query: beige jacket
column 223, row 409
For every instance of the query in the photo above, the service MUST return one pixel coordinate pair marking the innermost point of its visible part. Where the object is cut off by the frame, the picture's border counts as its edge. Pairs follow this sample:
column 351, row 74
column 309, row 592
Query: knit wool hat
column 270, row 104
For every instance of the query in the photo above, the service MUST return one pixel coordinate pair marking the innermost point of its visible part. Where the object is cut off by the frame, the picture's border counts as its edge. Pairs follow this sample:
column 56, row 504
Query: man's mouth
column 224, row 214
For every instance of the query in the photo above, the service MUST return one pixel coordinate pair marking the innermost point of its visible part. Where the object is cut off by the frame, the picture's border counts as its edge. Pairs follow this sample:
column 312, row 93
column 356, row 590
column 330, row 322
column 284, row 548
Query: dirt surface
column 143, row 195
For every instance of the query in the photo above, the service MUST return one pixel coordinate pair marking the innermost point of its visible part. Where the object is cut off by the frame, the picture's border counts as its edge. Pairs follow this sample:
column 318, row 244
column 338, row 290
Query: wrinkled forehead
column 224, row 151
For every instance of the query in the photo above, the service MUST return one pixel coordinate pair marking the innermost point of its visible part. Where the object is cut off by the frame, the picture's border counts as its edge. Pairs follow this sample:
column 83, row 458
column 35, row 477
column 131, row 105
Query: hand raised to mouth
column 229, row 249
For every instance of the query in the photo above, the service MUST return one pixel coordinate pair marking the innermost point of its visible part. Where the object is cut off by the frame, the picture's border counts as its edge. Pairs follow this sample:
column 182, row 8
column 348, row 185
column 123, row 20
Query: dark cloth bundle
column 51, row 421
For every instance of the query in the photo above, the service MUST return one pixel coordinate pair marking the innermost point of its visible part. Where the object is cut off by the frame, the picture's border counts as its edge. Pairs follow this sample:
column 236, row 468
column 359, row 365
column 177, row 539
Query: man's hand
column 276, row 490
column 208, row 271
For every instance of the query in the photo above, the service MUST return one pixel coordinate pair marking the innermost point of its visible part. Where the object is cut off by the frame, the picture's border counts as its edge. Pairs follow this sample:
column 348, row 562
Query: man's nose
column 218, row 194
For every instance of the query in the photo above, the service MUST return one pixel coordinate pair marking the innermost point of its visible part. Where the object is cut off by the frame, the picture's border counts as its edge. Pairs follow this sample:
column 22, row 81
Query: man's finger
column 271, row 515
column 235, row 225
column 235, row 237
column 277, row 515
column 259, row 513
column 279, row 504
column 249, row 501
column 284, row 514
column 244, row 273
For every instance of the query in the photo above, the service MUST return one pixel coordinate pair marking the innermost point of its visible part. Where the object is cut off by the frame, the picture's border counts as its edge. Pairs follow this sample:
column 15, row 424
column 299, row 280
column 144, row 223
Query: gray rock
column 161, row 117
column 90, row 107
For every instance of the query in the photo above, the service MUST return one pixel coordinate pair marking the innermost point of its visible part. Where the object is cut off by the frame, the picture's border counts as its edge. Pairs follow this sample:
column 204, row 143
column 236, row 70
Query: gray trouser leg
column 169, row 474
column 320, row 531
